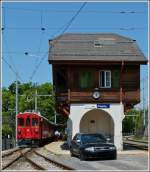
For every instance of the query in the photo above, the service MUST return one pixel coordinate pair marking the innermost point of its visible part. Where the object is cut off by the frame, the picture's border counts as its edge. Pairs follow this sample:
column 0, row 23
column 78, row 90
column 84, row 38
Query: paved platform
column 61, row 148
column 58, row 148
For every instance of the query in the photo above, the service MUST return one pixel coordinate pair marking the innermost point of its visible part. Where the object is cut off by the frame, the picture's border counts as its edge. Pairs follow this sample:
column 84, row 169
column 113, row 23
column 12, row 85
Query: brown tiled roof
column 94, row 47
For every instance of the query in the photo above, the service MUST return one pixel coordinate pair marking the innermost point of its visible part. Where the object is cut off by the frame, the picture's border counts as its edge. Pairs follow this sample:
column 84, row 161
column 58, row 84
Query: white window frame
column 105, row 71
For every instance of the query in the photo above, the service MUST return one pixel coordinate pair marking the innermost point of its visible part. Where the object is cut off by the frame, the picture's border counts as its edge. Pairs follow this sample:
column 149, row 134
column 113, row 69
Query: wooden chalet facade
column 99, row 68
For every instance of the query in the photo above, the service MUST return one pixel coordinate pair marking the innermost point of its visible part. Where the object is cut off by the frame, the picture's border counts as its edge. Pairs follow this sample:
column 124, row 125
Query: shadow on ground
column 128, row 147
column 64, row 146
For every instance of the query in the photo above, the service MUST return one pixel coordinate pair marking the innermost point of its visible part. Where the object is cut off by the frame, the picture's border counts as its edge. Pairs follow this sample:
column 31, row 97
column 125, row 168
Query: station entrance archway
column 97, row 121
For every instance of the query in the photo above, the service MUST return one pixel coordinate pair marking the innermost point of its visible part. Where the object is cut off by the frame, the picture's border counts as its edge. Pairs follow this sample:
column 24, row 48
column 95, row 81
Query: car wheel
column 114, row 157
column 82, row 157
column 71, row 153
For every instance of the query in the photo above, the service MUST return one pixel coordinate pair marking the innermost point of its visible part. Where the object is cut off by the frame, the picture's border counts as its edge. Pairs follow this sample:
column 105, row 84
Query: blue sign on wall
column 103, row 105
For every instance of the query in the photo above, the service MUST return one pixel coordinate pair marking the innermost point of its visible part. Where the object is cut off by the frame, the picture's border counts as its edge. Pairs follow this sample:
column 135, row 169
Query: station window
column 28, row 121
column 20, row 121
column 34, row 121
column 85, row 79
column 105, row 79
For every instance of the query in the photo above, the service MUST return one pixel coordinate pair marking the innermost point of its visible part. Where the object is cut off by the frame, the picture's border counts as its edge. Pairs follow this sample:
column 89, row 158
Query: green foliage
column 26, row 102
column 133, row 121
column 8, row 100
column 7, row 130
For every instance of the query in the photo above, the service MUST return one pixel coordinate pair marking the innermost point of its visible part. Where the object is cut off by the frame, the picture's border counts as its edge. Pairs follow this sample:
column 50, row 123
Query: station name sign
column 103, row 105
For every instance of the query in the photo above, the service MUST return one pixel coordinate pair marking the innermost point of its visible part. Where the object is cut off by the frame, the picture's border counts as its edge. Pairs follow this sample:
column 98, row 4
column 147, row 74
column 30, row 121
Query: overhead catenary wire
column 42, row 33
column 40, row 46
column 64, row 28
column 4, row 16
column 68, row 24
column 41, row 18
column 37, row 66
column 10, row 57
column 42, row 11
column 75, row 28
column 73, row 10
column 12, row 69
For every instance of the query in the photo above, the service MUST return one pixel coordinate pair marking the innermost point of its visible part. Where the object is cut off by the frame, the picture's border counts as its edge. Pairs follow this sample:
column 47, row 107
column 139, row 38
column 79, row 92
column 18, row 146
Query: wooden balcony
column 105, row 96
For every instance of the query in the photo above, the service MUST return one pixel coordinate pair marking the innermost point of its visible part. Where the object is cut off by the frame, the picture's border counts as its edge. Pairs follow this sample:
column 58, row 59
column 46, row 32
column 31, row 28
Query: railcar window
column 34, row 121
column 28, row 121
column 20, row 122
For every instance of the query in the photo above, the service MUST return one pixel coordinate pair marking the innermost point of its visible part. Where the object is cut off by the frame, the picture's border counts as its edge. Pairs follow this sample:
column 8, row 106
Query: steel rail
column 9, row 152
column 15, row 159
column 37, row 166
column 58, row 164
column 24, row 155
column 11, row 162
column 136, row 145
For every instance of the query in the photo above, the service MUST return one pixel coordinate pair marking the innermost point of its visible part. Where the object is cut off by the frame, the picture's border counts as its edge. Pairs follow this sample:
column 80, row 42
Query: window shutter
column 85, row 79
column 116, row 78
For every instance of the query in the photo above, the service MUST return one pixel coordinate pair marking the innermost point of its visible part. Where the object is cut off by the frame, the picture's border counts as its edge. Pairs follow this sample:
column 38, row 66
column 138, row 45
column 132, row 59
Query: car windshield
column 93, row 138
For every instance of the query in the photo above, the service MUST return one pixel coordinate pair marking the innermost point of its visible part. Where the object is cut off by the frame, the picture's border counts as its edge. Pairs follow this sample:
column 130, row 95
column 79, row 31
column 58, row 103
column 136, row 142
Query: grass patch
column 140, row 139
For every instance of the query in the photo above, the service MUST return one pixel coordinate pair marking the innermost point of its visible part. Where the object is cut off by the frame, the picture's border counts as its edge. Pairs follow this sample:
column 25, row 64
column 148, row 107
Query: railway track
column 138, row 145
column 36, row 160
column 12, row 156
column 56, row 163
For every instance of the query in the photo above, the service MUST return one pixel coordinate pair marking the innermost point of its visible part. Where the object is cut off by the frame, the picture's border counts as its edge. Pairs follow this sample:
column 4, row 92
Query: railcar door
column 20, row 127
column 40, row 128
column 35, row 127
column 28, row 127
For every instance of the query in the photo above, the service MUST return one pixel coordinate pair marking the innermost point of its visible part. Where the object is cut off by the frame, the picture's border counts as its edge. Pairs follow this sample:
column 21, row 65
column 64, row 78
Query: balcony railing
column 105, row 96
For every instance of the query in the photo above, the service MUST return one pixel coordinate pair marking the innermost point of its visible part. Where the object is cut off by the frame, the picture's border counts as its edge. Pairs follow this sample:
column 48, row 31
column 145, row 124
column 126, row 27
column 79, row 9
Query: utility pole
column 143, row 105
column 16, row 103
column 55, row 121
column 36, row 100
column 16, row 93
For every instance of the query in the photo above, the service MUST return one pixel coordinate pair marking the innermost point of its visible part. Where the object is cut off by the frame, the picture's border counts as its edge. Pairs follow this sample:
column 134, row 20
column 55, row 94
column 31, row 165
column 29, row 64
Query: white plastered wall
column 77, row 111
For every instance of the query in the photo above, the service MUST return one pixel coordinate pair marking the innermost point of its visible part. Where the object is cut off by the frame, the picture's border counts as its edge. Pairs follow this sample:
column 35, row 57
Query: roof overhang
column 83, row 62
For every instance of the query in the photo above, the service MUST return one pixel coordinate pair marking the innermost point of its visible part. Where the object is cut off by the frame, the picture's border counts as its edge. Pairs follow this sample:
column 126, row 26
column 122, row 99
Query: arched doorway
column 97, row 121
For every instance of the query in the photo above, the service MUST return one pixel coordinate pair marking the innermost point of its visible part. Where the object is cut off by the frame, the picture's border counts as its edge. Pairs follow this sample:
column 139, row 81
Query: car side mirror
column 78, row 141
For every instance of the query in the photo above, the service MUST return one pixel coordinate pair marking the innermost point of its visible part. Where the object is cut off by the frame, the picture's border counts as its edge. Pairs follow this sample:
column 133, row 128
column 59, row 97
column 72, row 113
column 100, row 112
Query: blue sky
column 22, row 32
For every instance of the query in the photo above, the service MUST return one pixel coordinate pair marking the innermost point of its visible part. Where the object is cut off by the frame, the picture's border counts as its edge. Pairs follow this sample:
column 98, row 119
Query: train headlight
column 36, row 130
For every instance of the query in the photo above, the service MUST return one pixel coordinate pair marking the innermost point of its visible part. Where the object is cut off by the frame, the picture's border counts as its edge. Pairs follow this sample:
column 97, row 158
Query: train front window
column 20, row 122
column 28, row 121
column 34, row 121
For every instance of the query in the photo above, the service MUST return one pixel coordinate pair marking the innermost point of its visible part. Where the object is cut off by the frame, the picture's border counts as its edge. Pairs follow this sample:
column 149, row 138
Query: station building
column 96, row 80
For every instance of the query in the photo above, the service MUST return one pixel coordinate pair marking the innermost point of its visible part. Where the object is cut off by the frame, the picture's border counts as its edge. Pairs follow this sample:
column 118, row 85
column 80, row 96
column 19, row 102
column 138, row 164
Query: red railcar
column 33, row 129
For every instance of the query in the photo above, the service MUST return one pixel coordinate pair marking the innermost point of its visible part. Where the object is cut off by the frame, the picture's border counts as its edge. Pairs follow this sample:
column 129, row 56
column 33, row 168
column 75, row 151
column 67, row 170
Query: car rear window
column 28, row 121
column 34, row 121
column 20, row 121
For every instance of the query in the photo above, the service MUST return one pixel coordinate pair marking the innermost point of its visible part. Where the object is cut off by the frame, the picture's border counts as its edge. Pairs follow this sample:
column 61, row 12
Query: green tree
column 133, row 121
column 6, row 130
column 26, row 102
